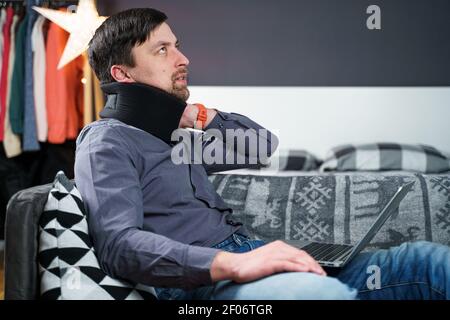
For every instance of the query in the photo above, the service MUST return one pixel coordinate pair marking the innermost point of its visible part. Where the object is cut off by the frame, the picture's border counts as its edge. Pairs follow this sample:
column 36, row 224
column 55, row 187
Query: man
column 162, row 224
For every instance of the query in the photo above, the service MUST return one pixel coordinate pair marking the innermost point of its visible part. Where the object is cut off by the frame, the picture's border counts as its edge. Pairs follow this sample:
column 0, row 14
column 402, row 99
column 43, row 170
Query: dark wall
column 308, row 42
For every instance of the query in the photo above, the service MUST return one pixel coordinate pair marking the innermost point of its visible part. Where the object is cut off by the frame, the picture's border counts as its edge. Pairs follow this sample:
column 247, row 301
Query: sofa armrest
column 21, row 243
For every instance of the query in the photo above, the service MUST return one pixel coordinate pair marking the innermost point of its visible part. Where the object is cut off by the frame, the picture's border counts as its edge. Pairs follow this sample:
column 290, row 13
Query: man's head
column 137, row 45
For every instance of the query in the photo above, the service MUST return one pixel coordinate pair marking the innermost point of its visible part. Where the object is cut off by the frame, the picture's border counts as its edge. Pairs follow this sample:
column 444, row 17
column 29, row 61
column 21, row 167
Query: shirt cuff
column 198, row 261
column 217, row 121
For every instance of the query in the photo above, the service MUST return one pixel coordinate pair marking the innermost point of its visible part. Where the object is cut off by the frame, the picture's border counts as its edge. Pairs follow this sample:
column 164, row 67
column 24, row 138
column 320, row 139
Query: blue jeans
column 419, row 270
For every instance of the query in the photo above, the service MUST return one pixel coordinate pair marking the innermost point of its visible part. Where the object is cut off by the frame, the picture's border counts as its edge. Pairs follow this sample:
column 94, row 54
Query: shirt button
column 220, row 125
column 232, row 223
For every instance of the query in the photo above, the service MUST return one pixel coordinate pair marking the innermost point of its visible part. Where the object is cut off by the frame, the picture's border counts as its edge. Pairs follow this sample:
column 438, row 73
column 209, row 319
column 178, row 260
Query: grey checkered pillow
column 300, row 160
column 386, row 156
column 68, row 266
column 295, row 160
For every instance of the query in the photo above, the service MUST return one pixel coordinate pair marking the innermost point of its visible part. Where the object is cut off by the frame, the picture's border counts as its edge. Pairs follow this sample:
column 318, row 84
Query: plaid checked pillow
column 294, row 159
column 386, row 156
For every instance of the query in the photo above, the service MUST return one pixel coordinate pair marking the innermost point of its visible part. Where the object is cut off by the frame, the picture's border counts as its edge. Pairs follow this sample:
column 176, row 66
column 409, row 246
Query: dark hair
column 114, row 39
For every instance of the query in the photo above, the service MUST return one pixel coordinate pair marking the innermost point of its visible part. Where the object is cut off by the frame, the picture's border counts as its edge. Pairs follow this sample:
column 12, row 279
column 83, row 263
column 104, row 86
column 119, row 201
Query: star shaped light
column 81, row 26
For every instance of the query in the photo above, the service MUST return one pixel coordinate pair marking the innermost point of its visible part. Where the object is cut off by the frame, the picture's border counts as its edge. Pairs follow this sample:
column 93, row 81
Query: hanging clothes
column 93, row 95
column 30, row 141
column 29, row 162
column 75, row 94
column 17, row 98
column 38, row 47
column 88, row 114
column 64, row 90
column 2, row 21
column 4, row 74
column 11, row 141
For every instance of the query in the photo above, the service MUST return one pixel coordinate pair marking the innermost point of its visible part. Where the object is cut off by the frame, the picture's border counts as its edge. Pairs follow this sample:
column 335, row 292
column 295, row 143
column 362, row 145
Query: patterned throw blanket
column 339, row 207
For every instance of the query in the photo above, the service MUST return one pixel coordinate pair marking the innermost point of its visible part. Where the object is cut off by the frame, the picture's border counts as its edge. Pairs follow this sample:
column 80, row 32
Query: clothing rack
column 14, row 3
column 45, row 3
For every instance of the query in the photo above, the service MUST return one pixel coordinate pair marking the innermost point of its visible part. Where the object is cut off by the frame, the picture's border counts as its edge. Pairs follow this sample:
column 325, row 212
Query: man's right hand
column 264, row 261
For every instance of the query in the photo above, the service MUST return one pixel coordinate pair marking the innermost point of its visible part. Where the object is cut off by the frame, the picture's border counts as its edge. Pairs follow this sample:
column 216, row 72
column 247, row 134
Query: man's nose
column 181, row 59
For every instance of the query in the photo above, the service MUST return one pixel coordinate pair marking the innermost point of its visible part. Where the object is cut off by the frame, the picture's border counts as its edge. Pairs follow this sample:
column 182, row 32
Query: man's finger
column 311, row 264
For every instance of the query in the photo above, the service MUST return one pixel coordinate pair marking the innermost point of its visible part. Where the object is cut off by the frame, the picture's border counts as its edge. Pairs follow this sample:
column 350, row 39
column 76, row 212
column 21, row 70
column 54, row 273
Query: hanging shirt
column 38, row 47
column 75, row 98
column 2, row 21
column 88, row 114
column 17, row 103
column 11, row 142
column 4, row 75
column 64, row 89
column 30, row 142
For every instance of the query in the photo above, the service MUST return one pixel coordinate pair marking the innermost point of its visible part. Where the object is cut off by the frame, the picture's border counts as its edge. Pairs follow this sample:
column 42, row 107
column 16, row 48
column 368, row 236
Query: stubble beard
column 181, row 92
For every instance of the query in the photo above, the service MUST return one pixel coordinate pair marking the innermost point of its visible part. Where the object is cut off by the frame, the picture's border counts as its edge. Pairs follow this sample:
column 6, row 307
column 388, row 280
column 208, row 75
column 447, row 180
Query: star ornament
column 81, row 26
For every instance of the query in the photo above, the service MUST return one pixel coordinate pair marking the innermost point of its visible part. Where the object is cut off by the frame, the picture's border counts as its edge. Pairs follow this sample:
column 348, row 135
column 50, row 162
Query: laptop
column 332, row 255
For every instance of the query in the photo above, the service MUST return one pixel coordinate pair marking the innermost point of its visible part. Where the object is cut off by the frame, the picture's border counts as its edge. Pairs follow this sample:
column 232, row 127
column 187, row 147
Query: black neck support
column 145, row 107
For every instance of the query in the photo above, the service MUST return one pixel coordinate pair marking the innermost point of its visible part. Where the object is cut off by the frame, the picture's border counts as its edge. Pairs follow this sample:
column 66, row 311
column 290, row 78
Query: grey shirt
column 153, row 221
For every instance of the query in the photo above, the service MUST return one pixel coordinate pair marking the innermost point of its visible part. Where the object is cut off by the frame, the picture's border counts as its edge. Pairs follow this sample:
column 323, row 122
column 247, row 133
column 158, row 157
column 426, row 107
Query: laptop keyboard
column 327, row 251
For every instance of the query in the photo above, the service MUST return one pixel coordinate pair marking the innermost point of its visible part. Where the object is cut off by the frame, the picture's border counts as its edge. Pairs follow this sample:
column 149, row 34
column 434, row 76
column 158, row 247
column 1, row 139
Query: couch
column 314, row 206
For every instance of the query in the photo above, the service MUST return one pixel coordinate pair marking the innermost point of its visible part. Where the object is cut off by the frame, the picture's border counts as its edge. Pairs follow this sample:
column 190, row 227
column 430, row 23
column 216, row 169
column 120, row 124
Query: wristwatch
column 202, row 116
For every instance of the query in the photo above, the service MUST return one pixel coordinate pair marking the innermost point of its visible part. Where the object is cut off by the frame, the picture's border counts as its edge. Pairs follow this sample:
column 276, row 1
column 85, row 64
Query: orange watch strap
column 202, row 114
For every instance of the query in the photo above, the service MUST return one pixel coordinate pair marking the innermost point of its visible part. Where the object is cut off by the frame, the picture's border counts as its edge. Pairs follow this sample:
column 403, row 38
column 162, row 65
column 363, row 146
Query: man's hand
column 271, row 258
column 190, row 115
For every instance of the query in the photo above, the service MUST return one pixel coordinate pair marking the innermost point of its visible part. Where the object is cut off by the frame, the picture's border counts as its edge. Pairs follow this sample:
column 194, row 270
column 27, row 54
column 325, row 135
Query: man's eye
column 162, row 50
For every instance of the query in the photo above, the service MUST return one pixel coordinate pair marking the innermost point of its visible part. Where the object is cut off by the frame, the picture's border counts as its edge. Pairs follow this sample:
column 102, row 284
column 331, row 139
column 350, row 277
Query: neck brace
column 145, row 107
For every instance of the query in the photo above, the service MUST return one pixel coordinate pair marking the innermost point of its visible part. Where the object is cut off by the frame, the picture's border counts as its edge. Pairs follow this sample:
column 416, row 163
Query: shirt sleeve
column 243, row 143
column 109, row 183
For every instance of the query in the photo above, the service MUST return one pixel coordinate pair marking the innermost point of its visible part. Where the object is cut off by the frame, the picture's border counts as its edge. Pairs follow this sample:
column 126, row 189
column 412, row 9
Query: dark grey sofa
column 316, row 206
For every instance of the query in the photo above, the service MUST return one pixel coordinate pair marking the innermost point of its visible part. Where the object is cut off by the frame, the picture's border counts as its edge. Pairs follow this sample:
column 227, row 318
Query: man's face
column 159, row 63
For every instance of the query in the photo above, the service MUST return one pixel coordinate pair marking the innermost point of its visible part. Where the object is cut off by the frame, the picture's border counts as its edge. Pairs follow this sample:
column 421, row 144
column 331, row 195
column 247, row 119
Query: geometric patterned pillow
column 68, row 266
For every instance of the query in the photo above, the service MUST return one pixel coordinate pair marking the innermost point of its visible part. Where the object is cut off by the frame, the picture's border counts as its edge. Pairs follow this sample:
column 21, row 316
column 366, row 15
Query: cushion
column 294, row 160
column 68, row 266
column 384, row 157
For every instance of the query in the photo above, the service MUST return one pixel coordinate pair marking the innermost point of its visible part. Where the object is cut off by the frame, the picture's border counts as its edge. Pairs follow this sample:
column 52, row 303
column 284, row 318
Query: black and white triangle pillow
column 68, row 266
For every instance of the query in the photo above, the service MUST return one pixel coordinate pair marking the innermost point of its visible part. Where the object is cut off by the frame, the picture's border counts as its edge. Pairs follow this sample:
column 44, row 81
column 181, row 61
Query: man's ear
column 120, row 74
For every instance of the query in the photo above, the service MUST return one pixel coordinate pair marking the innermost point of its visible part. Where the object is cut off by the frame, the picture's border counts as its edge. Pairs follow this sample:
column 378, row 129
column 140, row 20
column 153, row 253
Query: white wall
column 318, row 118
